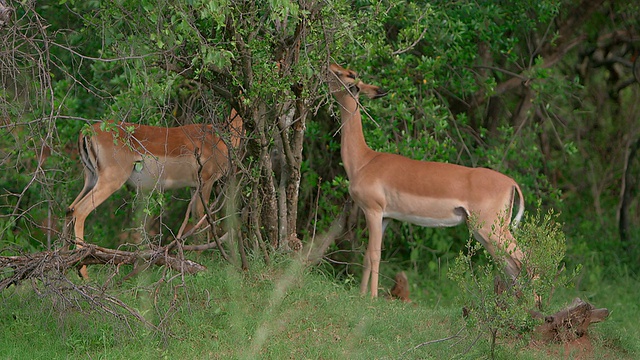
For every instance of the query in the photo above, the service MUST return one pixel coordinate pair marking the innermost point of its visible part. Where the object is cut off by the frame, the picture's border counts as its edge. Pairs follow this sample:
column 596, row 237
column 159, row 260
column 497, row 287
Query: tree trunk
column 267, row 193
column 626, row 194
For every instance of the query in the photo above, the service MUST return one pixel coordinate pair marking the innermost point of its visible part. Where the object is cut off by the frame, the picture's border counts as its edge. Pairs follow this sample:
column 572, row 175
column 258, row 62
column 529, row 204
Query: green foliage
column 13, row 242
column 544, row 244
column 488, row 310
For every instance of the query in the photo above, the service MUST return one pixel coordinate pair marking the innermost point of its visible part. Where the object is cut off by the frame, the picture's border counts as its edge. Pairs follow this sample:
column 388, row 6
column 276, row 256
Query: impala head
column 341, row 79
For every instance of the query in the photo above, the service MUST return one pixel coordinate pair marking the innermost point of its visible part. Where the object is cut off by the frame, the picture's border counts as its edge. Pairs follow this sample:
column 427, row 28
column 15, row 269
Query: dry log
column 571, row 322
column 18, row 268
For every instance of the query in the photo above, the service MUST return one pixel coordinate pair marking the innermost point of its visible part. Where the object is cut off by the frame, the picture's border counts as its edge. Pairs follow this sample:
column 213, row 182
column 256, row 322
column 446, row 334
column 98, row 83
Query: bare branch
column 34, row 266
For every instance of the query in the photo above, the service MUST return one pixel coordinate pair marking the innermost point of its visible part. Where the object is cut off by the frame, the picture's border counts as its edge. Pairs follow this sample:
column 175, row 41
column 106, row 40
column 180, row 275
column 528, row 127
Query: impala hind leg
column 510, row 253
column 501, row 245
column 514, row 260
column 83, row 206
column 90, row 180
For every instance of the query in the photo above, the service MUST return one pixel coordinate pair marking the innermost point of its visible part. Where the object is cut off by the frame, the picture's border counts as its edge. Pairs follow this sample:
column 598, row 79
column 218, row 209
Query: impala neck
column 353, row 148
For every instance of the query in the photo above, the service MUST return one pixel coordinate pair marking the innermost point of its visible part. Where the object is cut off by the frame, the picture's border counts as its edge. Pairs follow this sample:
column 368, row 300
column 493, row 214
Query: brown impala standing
column 389, row 186
column 149, row 157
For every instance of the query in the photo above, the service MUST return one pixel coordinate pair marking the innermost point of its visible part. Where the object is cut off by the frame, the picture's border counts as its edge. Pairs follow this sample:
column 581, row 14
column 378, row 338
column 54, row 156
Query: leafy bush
column 495, row 303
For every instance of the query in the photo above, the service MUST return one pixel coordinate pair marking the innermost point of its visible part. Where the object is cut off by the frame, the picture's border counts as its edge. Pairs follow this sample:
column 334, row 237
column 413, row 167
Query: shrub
column 496, row 304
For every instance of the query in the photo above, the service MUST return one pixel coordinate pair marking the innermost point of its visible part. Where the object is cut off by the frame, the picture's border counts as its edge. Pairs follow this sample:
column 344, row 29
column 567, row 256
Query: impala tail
column 91, row 169
column 518, row 217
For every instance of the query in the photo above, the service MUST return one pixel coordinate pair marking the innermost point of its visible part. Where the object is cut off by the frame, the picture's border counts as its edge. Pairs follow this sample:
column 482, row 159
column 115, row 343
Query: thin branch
column 456, row 335
column 504, row 71
column 410, row 47
column 131, row 57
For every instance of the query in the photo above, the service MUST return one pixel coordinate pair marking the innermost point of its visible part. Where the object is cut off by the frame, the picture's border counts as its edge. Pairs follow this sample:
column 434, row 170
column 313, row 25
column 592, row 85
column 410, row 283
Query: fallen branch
column 33, row 266
column 200, row 247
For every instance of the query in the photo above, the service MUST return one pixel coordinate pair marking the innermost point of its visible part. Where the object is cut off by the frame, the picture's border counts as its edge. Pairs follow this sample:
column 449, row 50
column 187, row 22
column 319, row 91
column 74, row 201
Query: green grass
column 277, row 312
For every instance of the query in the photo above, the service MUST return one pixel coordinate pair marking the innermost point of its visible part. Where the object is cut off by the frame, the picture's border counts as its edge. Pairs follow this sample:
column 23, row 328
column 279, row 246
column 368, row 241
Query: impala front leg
column 366, row 272
column 376, row 225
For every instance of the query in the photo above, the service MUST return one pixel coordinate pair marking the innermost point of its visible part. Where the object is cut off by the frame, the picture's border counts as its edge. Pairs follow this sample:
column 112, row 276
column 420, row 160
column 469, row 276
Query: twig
column 456, row 335
column 413, row 45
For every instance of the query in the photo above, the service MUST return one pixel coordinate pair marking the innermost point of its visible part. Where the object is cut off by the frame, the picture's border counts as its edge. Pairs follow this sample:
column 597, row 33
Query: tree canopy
column 544, row 91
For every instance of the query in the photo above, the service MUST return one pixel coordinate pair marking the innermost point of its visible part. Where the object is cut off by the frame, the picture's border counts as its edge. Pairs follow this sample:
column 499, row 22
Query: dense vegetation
column 544, row 91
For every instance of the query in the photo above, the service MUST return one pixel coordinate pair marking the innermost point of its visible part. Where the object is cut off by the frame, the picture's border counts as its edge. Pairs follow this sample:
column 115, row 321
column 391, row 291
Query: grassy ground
column 281, row 312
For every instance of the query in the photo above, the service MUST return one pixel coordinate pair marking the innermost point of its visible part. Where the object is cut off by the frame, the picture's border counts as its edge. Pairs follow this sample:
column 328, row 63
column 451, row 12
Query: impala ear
column 340, row 71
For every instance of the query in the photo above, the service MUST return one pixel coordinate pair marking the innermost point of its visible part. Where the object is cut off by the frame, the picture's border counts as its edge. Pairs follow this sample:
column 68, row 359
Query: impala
column 149, row 157
column 389, row 186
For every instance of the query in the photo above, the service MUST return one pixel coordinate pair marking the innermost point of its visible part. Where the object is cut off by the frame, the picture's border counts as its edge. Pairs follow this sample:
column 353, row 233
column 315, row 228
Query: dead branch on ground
column 16, row 269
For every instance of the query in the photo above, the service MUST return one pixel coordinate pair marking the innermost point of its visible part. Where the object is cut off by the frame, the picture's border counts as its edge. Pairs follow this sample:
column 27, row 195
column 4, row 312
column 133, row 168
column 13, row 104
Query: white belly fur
column 453, row 220
column 152, row 173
